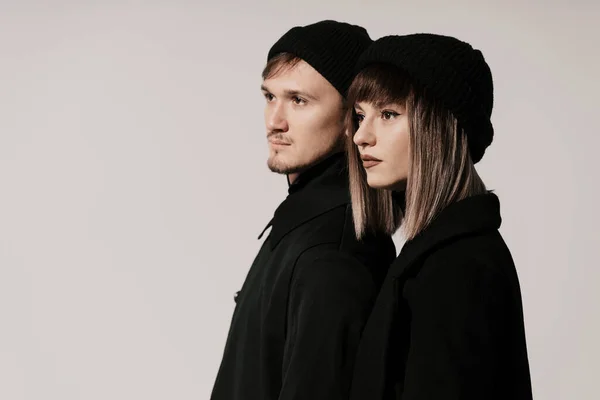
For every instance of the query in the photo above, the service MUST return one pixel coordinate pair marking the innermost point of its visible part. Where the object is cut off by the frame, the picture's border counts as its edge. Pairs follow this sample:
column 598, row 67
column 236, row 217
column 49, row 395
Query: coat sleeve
column 457, row 322
column 331, row 297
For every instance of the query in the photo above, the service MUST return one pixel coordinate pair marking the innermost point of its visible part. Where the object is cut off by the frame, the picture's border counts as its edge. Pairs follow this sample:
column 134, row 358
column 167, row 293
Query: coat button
column 235, row 296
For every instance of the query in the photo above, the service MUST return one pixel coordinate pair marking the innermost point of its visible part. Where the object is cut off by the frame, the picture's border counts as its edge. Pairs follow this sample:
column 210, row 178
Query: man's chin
column 278, row 164
column 281, row 168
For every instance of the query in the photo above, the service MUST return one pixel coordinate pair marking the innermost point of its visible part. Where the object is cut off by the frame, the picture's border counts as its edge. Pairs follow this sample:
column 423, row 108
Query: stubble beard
column 280, row 167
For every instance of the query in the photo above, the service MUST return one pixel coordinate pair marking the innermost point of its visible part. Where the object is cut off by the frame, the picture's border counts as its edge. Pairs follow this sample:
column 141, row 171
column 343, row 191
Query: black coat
column 448, row 323
column 307, row 296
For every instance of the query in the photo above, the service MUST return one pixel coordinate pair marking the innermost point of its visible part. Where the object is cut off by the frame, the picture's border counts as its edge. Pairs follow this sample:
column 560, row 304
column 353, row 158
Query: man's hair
column 441, row 170
column 284, row 62
column 280, row 63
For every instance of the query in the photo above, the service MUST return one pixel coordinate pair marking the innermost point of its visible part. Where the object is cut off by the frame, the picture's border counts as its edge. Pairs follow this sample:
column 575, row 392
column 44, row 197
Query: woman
column 448, row 323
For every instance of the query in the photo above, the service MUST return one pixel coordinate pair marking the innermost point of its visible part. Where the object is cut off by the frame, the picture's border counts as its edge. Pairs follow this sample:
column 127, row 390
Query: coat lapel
column 318, row 190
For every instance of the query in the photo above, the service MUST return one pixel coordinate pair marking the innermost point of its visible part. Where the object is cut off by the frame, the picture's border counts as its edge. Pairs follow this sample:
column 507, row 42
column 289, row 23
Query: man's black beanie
column 330, row 47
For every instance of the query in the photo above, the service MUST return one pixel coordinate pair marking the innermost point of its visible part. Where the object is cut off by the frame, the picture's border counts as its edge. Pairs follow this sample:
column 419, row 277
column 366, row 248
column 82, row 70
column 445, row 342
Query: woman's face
column 382, row 139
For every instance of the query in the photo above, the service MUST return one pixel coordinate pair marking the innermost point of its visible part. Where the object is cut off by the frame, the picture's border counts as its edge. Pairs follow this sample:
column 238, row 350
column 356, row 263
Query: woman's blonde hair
column 441, row 170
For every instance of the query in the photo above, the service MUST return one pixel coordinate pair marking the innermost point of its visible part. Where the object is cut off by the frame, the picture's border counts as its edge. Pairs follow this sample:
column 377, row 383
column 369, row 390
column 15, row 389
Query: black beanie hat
column 330, row 47
column 451, row 71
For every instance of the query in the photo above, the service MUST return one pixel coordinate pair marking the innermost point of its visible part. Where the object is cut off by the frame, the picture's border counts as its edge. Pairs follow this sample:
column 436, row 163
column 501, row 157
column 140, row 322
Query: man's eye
column 268, row 96
column 298, row 100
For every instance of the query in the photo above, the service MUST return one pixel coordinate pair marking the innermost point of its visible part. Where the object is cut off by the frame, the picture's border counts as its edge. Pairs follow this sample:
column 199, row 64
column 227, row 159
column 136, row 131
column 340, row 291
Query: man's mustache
column 279, row 137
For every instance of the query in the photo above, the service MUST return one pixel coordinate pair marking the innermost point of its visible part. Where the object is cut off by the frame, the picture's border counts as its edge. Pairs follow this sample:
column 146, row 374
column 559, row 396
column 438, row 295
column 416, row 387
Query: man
column 302, row 308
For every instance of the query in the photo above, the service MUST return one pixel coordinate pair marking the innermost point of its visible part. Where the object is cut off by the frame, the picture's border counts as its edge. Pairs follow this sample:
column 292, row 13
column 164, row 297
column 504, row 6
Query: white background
column 133, row 181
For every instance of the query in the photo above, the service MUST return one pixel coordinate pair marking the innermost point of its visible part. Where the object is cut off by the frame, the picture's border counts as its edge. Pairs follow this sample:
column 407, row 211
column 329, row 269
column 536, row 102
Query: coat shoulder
column 475, row 264
column 483, row 255
column 332, row 274
column 326, row 249
column 334, row 231
column 325, row 263
column 326, row 228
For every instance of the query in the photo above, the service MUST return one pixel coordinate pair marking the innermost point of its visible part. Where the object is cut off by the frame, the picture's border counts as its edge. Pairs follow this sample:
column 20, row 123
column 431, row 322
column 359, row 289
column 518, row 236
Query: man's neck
column 292, row 177
column 310, row 173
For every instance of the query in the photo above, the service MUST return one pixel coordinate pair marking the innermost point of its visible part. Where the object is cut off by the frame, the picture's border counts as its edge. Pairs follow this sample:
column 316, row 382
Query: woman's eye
column 389, row 114
column 359, row 118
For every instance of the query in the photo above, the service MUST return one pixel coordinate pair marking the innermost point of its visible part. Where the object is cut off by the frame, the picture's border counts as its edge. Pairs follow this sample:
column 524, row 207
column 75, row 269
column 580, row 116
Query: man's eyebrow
column 300, row 93
column 291, row 93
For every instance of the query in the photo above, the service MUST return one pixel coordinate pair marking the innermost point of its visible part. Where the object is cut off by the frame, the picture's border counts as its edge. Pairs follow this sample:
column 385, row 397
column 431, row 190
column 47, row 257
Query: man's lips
column 278, row 142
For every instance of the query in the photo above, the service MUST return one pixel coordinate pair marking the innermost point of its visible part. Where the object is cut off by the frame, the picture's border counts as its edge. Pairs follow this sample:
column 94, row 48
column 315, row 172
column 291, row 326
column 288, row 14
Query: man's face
column 303, row 117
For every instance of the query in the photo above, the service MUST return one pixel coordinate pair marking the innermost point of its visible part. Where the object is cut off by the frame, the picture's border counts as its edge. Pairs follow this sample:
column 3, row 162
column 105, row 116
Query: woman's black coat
column 448, row 322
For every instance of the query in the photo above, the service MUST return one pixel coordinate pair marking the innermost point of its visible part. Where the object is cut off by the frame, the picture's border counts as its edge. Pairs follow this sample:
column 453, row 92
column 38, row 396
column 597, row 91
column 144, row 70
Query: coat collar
column 316, row 191
column 470, row 216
